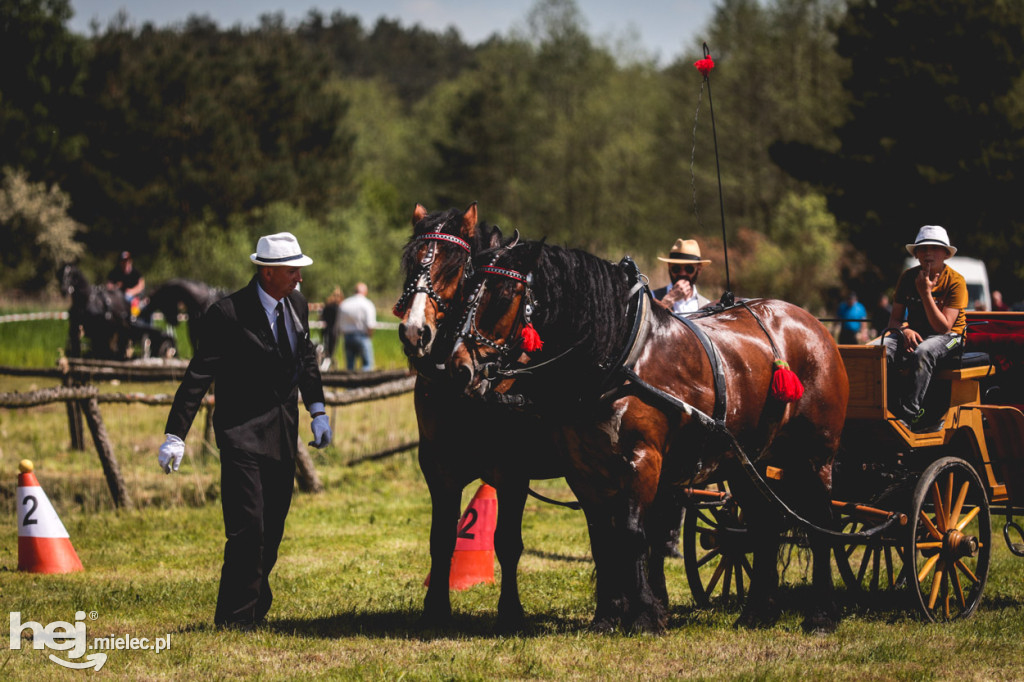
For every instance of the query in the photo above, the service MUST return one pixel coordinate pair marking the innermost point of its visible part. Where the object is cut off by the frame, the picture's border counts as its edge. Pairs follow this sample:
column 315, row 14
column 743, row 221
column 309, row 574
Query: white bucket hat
column 931, row 235
column 280, row 249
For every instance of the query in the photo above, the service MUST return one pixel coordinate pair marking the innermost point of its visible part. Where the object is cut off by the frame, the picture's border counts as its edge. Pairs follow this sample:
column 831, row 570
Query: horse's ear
column 533, row 252
column 469, row 221
column 419, row 213
column 494, row 241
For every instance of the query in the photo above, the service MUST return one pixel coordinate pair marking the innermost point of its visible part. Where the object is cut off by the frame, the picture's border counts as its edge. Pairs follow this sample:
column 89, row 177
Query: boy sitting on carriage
column 933, row 296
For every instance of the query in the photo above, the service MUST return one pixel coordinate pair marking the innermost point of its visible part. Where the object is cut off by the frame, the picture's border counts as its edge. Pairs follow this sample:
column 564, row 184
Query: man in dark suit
column 255, row 344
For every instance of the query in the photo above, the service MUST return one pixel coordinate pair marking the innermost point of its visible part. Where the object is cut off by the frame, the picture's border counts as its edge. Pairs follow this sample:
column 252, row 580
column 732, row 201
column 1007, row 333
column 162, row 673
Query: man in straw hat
column 255, row 344
column 933, row 296
column 684, row 265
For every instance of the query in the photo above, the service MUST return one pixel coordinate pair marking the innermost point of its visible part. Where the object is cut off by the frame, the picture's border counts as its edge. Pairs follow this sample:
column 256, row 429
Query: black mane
column 582, row 303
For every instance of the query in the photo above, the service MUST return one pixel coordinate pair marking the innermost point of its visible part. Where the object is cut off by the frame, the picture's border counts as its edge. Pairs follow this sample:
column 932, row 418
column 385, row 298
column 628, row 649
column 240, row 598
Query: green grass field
column 349, row 585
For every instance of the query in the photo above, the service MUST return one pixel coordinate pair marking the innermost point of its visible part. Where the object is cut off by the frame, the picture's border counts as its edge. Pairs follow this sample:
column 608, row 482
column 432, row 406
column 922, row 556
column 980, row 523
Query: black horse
column 174, row 295
column 649, row 404
column 463, row 439
column 103, row 316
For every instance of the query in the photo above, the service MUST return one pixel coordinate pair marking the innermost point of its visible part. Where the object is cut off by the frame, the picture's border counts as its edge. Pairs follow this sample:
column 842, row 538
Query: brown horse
column 462, row 439
column 633, row 389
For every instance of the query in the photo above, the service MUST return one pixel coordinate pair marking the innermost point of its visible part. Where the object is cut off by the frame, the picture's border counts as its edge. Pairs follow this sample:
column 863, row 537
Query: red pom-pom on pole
column 531, row 339
column 705, row 65
column 786, row 386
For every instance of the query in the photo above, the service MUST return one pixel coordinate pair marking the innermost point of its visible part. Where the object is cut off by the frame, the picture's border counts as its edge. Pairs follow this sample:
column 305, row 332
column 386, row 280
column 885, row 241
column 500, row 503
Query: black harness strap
column 716, row 366
column 542, row 498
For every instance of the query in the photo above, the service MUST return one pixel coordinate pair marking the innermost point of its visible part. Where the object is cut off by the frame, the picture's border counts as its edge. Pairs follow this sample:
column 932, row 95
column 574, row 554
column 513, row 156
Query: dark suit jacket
column 256, row 392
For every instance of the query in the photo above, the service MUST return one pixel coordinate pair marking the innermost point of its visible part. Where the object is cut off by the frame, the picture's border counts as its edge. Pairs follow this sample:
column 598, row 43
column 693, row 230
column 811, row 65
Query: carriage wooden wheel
column 876, row 568
column 950, row 534
column 716, row 550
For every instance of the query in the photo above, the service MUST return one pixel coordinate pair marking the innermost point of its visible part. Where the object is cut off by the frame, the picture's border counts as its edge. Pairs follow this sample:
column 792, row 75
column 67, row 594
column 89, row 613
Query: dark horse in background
column 463, row 439
column 177, row 295
column 103, row 316
column 632, row 451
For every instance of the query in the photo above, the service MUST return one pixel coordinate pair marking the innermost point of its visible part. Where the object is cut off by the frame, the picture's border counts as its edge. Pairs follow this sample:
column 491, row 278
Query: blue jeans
column 358, row 345
column 921, row 364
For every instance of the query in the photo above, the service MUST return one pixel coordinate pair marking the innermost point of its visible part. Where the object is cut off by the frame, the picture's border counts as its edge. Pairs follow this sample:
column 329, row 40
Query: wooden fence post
column 305, row 471
column 118, row 490
column 75, row 429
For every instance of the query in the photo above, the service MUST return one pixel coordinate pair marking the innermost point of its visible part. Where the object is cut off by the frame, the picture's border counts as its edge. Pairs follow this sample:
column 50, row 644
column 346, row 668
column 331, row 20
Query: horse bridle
column 422, row 272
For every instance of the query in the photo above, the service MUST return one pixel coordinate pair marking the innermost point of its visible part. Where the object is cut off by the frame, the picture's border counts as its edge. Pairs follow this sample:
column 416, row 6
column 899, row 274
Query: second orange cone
column 473, row 559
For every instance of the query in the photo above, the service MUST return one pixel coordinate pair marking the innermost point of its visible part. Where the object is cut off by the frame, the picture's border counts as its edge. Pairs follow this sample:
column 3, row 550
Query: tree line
column 841, row 127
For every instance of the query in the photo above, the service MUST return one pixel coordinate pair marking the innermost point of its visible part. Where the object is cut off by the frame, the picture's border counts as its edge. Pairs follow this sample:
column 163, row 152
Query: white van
column 975, row 273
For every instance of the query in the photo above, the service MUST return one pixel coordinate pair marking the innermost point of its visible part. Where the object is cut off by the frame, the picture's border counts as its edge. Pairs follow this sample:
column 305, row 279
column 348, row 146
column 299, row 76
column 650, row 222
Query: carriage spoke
column 937, row 583
column 958, row 507
column 709, row 556
column 723, row 566
column 967, row 570
column 888, row 565
column 967, row 519
column 930, row 526
column 739, row 580
column 954, row 578
column 947, row 499
column 875, row 563
column 928, row 566
column 940, row 511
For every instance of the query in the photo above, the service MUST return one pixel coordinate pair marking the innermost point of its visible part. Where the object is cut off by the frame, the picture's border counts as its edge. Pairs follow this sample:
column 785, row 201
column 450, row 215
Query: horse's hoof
column 603, row 626
column 430, row 620
column 756, row 619
column 820, row 623
column 648, row 623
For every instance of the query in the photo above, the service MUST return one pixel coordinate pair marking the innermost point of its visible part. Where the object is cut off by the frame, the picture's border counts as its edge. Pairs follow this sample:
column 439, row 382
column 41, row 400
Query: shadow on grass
column 405, row 624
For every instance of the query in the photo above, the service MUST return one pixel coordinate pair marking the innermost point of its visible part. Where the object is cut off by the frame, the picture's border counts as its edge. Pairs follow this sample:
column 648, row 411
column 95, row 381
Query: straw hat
column 684, row 251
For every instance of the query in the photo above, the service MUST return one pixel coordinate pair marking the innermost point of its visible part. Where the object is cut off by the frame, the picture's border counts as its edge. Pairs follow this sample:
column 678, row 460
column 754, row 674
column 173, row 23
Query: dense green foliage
column 184, row 143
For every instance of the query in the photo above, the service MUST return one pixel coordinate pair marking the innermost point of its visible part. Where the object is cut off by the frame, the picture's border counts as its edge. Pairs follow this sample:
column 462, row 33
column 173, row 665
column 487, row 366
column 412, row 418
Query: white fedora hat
column 279, row 249
column 932, row 235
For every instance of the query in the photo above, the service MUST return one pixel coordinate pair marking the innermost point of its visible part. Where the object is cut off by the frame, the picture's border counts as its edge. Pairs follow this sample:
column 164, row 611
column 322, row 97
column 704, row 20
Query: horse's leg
column 508, row 546
column 663, row 522
column 609, row 610
column 807, row 486
column 765, row 526
column 445, row 508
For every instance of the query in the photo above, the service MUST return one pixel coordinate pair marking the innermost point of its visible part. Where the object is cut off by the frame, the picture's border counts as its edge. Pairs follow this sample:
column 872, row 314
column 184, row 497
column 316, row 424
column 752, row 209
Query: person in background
column 880, row 316
column 853, row 327
column 358, row 318
column 329, row 316
column 684, row 266
column 255, row 345
column 126, row 277
column 934, row 297
column 998, row 304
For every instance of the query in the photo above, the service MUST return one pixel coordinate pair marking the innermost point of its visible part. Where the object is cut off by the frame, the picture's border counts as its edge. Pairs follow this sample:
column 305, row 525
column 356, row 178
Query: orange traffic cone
column 473, row 559
column 43, row 543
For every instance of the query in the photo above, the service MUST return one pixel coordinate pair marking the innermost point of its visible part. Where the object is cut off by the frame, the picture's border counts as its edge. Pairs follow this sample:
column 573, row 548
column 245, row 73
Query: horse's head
column 496, row 318
column 436, row 261
column 73, row 282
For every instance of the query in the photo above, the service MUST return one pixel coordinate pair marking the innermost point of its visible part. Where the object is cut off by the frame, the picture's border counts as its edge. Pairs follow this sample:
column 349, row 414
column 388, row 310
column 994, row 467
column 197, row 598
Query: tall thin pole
column 706, row 70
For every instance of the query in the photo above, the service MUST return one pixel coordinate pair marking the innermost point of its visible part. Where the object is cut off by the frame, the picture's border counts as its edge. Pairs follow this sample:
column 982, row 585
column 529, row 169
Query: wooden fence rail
column 83, row 402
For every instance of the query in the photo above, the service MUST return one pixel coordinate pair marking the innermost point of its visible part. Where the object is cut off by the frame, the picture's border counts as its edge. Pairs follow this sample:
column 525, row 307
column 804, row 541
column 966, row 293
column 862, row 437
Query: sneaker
column 911, row 420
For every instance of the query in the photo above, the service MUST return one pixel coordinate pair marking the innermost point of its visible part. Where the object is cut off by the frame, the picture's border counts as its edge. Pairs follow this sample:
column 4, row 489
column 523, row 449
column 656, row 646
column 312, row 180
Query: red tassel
column 705, row 65
column 786, row 386
column 531, row 339
column 398, row 312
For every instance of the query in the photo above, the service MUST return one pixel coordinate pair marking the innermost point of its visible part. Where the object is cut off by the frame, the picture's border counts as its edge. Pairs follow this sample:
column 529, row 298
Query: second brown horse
column 632, row 452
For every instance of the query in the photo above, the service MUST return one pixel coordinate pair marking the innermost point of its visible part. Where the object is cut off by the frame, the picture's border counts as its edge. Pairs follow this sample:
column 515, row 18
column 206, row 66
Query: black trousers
column 256, row 493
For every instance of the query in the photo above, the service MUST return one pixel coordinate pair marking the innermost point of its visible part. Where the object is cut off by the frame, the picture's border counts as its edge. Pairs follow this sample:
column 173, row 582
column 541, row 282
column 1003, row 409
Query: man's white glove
column 171, row 453
column 321, row 431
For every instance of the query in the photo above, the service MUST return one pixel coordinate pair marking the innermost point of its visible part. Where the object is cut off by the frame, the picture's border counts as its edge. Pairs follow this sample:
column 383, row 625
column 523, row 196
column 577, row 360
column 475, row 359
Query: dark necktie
column 282, row 334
